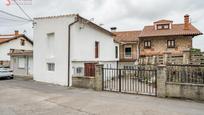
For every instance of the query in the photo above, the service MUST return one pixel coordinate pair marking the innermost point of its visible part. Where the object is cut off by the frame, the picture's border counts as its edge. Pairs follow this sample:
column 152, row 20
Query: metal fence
column 185, row 74
column 130, row 80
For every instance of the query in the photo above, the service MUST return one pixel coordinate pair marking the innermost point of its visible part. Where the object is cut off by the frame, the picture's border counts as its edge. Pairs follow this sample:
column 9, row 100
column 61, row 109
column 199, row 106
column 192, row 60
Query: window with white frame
column 21, row 62
column 51, row 66
column 128, row 51
column 147, row 44
column 171, row 44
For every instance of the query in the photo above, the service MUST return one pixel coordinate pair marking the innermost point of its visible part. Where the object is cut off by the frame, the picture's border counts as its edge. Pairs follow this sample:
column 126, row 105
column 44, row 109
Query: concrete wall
column 13, row 44
column 190, row 91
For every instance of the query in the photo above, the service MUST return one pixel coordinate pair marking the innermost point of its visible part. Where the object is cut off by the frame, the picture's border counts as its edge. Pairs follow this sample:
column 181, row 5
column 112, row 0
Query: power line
column 22, row 10
column 14, row 15
column 8, row 19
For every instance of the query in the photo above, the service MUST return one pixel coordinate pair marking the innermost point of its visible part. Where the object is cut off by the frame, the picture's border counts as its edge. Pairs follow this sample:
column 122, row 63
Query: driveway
column 33, row 98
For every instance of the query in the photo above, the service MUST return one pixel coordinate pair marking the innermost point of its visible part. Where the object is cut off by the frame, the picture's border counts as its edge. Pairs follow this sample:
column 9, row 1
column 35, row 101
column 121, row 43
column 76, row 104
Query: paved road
column 34, row 98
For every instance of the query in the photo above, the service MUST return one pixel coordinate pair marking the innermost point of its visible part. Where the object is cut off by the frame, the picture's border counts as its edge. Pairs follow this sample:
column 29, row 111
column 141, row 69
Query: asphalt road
column 19, row 97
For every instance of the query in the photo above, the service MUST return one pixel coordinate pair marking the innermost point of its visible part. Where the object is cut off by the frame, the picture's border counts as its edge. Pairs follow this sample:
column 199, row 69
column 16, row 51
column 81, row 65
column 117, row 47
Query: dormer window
column 162, row 26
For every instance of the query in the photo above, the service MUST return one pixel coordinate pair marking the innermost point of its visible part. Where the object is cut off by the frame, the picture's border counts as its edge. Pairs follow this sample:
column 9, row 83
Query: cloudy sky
column 123, row 14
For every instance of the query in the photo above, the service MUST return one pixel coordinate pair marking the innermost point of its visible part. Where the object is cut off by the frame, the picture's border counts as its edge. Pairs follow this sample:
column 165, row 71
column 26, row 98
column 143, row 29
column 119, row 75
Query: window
column 171, row 44
column 128, row 52
column 147, row 44
column 162, row 26
column 51, row 66
column 50, row 44
column 79, row 70
column 116, row 51
column 22, row 42
column 96, row 49
column 21, row 62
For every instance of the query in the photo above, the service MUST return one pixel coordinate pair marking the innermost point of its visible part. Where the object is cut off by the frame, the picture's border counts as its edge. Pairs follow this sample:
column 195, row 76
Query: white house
column 13, row 41
column 68, row 45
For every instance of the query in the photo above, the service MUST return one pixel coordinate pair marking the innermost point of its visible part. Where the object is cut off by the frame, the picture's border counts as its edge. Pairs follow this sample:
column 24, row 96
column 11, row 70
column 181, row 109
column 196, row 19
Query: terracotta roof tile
column 2, row 40
column 7, row 38
column 164, row 21
column 177, row 29
column 127, row 36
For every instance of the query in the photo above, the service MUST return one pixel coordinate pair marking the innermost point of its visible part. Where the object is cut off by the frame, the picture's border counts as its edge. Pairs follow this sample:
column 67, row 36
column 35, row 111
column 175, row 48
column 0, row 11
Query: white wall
column 84, row 44
column 13, row 44
column 82, row 48
column 60, row 54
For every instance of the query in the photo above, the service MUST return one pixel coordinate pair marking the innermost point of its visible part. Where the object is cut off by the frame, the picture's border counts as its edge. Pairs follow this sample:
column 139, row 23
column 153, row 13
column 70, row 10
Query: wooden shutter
column 89, row 69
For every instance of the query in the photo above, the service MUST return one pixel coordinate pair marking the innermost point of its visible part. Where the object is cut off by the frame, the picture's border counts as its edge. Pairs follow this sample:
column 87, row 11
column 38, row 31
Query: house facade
column 155, row 40
column 129, row 47
column 70, row 45
column 13, row 41
column 21, row 63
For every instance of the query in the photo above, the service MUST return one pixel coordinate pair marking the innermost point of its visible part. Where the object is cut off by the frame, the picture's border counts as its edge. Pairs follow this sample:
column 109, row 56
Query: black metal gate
column 137, row 81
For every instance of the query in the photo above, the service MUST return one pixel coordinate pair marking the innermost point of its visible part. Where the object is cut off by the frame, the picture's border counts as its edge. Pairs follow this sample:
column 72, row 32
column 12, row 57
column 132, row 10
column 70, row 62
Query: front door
column 89, row 69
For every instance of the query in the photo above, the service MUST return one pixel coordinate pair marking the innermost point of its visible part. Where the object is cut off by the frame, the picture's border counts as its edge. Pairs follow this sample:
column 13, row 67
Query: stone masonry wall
column 159, row 44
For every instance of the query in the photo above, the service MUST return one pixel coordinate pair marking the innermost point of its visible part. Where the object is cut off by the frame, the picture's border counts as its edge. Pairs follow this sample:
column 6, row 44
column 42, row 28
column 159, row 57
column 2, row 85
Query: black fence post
column 119, row 80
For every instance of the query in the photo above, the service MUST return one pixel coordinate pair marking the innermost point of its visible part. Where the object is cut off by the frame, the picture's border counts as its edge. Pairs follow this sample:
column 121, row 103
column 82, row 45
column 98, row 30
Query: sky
column 124, row 14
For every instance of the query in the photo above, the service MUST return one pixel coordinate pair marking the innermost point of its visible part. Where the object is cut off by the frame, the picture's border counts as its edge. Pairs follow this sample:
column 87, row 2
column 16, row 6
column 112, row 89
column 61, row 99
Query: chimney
column 186, row 22
column 113, row 29
column 16, row 32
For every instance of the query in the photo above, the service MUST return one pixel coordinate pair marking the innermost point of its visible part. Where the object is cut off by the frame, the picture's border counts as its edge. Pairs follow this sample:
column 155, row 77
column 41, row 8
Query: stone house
column 155, row 40
column 129, row 50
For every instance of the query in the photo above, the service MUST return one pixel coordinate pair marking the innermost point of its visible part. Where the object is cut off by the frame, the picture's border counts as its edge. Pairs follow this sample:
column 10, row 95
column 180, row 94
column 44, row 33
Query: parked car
column 6, row 73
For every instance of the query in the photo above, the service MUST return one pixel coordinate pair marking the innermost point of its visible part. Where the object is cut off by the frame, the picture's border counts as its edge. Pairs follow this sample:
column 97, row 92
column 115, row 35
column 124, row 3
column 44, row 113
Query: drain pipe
column 69, row 47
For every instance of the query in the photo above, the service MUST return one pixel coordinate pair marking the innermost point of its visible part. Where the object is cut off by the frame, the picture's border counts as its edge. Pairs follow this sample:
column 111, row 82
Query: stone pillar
column 98, row 77
column 186, row 56
column 165, row 57
column 161, row 80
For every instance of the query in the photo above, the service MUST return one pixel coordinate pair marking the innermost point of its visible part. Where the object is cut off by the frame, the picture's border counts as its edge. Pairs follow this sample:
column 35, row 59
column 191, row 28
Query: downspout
column 69, row 47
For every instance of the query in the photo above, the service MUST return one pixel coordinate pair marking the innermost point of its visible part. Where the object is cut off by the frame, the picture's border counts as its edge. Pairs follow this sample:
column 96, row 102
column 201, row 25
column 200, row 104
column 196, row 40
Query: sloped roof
column 127, row 36
column 80, row 18
column 15, row 52
column 7, row 38
column 177, row 29
column 164, row 21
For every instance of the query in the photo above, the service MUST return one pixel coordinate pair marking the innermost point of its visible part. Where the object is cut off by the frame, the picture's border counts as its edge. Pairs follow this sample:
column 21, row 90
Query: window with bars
column 51, row 66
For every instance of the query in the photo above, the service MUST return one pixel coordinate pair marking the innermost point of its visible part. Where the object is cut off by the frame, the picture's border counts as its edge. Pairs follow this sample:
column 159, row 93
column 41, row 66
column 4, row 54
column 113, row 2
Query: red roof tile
column 177, row 29
column 127, row 36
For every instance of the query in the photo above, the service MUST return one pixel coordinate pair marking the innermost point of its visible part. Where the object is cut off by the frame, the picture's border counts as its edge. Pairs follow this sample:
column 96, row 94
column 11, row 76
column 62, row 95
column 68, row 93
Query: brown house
column 163, row 36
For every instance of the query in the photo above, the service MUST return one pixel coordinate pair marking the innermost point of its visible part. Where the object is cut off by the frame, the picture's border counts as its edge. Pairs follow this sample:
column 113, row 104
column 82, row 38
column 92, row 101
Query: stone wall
column 177, row 89
column 159, row 45
column 90, row 82
column 83, row 82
